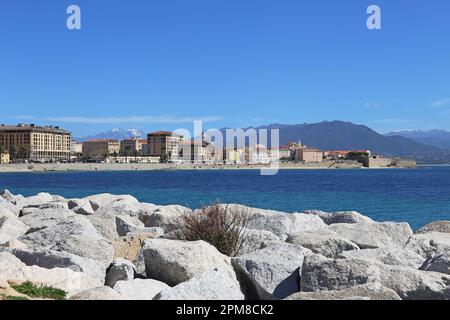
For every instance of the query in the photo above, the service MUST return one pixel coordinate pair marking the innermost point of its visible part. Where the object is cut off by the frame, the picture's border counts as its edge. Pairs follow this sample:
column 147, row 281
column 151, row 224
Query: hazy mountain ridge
column 437, row 138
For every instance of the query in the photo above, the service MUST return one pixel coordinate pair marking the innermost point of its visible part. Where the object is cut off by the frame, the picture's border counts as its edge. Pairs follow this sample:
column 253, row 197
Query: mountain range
column 423, row 146
column 437, row 138
column 116, row 134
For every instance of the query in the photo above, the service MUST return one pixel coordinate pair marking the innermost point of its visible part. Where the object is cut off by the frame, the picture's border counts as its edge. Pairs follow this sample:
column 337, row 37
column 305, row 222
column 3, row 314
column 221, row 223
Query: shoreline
column 92, row 167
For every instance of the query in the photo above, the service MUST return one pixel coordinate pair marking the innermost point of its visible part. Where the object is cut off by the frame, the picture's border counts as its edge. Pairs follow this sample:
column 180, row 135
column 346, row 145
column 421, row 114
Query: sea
column 417, row 196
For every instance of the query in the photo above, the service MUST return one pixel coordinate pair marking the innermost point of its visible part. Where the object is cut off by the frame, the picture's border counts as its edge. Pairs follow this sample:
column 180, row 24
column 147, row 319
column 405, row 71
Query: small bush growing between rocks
column 218, row 226
column 39, row 291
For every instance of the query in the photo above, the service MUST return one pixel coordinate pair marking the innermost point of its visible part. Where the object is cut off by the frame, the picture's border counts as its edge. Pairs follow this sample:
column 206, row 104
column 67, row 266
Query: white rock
column 13, row 270
column 279, row 223
column 394, row 256
column 74, row 235
column 99, row 293
column 139, row 289
column 320, row 273
column 37, row 200
column 429, row 244
column 100, row 200
column 44, row 218
column 166, row 217
column 436, row 226
column 80, row 206
column 374, row 235
column 256, row 239
column 173, row 262
column 325, row 242
column 120, row 269
column 217, row 284
column 11, row 227
column 5, row 205
column 49, row 259
column 272, row 271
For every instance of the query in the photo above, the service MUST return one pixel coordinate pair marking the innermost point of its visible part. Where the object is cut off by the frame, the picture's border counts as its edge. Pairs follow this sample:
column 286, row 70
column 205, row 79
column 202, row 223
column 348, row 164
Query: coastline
column 69, row 167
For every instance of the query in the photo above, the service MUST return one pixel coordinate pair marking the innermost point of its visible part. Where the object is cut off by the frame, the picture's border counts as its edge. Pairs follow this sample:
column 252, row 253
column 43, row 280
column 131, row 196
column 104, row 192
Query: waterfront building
column 4, row 157
column 101, row 148
column 37, row 143
column 258, row 154
column 137, row 159
column 164, row 144
column 307, row 154
column 193, row 152
column 133, row 147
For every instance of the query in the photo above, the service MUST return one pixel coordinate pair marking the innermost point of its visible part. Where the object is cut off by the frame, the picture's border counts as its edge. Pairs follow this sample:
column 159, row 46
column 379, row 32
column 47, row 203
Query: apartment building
column 101, row 148
column 38, row 143
column 4, row 157
column 133, row 147
column 193, row 152
column 164, row 144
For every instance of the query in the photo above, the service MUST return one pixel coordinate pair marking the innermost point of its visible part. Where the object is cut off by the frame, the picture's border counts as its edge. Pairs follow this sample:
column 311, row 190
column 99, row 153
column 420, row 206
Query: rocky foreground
column 111, row 247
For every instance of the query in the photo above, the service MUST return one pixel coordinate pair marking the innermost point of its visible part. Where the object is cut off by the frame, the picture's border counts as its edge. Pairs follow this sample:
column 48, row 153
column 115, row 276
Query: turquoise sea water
column 417, row 196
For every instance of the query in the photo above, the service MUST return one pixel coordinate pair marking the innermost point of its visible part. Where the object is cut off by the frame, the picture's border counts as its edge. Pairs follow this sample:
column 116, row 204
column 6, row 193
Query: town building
column 101, row 148
column 136, row 159
column 37, row 143
column 4, row 157
column 193, row 152
column 307, row 154
column 258, row 154
column 133, row 147
column 164, row 144
column 285, row 153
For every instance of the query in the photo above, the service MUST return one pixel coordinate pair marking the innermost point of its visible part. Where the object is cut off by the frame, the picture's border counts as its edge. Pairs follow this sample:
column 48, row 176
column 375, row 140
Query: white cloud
column 441, row 103
column 128, row 119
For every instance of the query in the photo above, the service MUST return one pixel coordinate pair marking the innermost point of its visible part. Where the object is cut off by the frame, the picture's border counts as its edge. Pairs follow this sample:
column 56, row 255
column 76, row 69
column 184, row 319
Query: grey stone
column 255, row 240
column 37, row 200
column 44, row 218
column 101, row 200
column 272, row 271
column 120, row 270
column 11, row 227
column 166, row 217
column 373, row 291
column 216, row 284
column 99, row 293
column 438, row 263
column 320, row 273
column 140, row 289
column 392, row 256
column 341, row 217
column 325, row 242
column 436, row 226
column 74, row 235
column 173, row 262
column 374, row 235
column 429, row 244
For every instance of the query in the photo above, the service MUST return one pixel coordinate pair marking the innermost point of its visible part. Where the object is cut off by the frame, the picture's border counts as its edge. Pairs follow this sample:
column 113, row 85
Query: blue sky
column 159, row 64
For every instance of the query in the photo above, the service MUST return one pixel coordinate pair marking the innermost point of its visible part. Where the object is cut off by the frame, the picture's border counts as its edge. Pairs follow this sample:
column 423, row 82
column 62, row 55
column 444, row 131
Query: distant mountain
column 437, row 138
column 116, row 134
column 339, row 135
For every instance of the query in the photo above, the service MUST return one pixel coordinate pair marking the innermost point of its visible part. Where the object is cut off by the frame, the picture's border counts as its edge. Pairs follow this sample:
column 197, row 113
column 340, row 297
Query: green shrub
column 217, row 225
column 40, row 291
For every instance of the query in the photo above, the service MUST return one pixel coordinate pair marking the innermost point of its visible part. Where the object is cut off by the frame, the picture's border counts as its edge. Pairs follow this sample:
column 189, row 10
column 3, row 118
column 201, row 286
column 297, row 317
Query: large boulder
column 44, row 218
column 49, row 259
column 392, row 256
column 438, row 263
column 165, row 217
column 15, row 271
column 121, row 207
column 113, row 226
column 173, row 262
column 99, row 293
column 5, row 205
column 279, row 223
column 341, row 217
column 372, row 291
column 436, row 226
column 272, row 271
column 216, row 284
column 139, row 289
column 100, row 200
column 34, row 201
column 120, row 270
column 129, row 247
column 74, row 235
column 320, row 273
column 429, row 244
column 374, row 235
column 256, row 239
column 11, row 227
column 8, row 196
column 325, row 242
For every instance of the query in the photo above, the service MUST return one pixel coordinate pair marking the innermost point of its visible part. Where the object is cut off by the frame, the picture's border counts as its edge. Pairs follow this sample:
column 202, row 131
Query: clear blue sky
column 156, row 64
